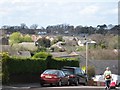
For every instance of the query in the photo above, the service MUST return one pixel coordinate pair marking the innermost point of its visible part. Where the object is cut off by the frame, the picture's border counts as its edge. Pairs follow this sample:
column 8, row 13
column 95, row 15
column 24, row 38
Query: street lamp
column 86, row 57
column 91, row 42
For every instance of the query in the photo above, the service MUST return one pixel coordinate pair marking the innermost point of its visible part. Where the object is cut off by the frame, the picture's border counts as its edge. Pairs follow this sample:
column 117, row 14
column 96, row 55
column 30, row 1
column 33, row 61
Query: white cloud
column 16, row 1
column 113, row 11
column 64, row 1
column 55, row 11
column 4, row 12
column 89, row 10
column 8, row 7
column 3, row 1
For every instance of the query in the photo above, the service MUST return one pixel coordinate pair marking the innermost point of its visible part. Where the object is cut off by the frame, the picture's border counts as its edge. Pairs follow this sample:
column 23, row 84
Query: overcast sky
column 53, row 12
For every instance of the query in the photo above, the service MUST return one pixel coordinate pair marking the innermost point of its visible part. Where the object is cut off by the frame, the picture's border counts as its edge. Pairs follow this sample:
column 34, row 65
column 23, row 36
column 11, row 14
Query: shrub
column 43, row 55
column 43, row 42
column 5, row 73
column 91, row 71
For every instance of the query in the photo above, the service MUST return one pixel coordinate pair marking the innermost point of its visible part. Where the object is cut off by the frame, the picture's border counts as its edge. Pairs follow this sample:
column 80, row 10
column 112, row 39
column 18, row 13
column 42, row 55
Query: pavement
column 22, row 86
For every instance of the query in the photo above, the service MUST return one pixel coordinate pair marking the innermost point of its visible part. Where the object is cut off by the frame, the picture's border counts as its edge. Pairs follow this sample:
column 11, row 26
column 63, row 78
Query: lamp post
column 86, row 57
column 91, row 42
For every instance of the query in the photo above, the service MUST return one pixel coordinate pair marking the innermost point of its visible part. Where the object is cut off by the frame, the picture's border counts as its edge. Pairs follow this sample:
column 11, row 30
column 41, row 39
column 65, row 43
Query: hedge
column 58, row 63
column 15, row 69
column 16, row 65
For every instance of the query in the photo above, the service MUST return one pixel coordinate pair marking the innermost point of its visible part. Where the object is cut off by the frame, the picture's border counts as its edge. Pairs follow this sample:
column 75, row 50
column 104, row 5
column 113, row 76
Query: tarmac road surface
column 73, row 88
column 55, row 88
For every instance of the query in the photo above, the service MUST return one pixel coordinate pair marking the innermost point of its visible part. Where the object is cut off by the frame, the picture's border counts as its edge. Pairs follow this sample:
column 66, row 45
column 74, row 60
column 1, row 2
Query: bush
column 5, row 72
column 43, row 42
column 43, row 55
column 91, row 71
column 16, row 37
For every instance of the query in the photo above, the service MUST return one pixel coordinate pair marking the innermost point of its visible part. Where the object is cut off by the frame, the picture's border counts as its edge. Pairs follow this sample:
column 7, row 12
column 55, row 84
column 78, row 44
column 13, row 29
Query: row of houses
column 99, row 65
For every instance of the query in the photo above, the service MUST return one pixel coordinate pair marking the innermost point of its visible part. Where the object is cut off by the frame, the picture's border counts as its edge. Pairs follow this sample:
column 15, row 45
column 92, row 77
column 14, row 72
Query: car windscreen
column 66, row 72
column 51, row 72
column 70, row 70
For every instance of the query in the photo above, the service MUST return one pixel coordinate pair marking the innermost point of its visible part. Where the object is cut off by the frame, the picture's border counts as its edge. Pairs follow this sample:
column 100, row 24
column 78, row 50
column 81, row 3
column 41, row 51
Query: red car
column 56, row 77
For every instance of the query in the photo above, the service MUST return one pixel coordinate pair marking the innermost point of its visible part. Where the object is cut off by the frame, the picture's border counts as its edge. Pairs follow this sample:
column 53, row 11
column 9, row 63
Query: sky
column 53, row 12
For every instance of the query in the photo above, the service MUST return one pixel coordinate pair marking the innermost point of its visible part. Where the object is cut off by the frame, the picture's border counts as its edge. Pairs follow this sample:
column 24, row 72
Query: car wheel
column 85, row 84
column 117, row 85
column 68, row 83
column 59, row 83
column 76, row 83
column 51, row 84
column 42, row 84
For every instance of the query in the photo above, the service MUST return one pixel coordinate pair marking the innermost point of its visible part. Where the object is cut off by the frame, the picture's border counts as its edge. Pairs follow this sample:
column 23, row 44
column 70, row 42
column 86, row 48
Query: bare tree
column 23, row 26
column 34, row 26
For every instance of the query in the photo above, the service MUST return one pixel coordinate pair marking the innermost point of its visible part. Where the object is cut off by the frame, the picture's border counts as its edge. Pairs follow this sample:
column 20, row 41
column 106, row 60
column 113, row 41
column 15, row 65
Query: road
column 72, row 88
column 55, row 88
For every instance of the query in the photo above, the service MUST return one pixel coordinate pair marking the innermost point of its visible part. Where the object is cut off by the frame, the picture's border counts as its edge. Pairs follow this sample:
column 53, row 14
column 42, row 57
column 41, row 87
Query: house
column 5, row 48
column 59, row 54
column 25, row 54
column 83, row 42
column 58, row 46
column 65, row 54
column 4, row 41
column 28, row 46
column 42, row 33
column 12, row 52
column 71, row 42
column 74, row 54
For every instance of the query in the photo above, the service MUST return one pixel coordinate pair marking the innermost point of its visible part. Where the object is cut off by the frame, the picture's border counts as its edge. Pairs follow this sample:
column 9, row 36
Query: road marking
column 16, row 87
column 23, row 87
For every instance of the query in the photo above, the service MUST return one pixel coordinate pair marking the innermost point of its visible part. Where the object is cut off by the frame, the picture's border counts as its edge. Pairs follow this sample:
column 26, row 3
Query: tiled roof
column 60, row 54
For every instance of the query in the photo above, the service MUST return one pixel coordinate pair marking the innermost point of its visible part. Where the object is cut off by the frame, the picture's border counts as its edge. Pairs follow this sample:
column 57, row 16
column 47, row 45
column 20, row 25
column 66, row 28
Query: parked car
column 56, row 77
column 98, row 80
column 76, row 75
